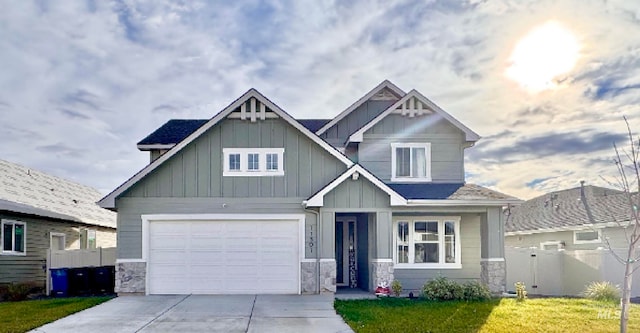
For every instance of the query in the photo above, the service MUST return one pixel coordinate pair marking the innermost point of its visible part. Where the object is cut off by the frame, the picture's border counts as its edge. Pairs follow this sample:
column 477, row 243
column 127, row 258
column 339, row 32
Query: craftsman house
column 256, row 201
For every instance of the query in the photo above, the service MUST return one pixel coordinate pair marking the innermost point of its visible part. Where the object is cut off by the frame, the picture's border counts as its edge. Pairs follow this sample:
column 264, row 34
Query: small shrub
column 442, row 289
column 396, row 287
column 521, row 291
column 476, row 291
column 602, row 291
column 18, row 291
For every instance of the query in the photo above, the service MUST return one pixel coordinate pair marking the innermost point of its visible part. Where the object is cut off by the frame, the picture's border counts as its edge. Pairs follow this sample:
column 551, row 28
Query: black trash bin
column 59, row 282
column 79, row 281
column 103, row 280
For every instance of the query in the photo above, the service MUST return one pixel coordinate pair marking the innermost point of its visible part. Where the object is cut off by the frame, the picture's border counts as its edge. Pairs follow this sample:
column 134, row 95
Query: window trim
column 24, row 238
column 244, row 162
column 427, row 154
column 558, row 244
column 57, row 234
column 594, row 241
column 441, row 242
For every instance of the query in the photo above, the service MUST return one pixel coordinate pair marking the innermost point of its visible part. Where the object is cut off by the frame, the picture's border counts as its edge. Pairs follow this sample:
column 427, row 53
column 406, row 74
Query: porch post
column 327, row 250
column 382, row 263
column 492, row 264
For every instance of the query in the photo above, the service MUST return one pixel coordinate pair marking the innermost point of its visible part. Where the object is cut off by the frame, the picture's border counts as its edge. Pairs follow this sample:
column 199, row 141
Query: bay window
column 427, row 242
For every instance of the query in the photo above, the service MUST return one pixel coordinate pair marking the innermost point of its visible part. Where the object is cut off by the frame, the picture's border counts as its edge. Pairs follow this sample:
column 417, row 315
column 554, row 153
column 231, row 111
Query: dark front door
column 346, row 252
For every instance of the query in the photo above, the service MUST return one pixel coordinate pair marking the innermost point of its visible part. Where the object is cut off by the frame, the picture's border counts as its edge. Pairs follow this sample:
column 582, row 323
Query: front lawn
column 26, row 315
column 498, row 315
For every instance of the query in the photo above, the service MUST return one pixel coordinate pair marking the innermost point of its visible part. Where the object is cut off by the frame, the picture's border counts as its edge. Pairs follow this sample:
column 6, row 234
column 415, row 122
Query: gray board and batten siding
column 338, row 134
column 447, row 145
column 192, row 182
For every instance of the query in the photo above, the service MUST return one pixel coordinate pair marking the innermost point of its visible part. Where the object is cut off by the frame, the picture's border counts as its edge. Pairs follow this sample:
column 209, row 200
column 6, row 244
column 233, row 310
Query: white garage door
column 223, row 257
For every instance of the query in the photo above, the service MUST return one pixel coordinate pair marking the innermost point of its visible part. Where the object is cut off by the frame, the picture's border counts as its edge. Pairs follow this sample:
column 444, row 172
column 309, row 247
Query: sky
column 545, row 83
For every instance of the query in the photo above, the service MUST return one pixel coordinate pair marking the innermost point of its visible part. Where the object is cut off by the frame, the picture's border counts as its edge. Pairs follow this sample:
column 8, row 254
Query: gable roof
column 469, row 134
column 317, row 200
column 172, row 132
column 428, row 194
column 384, row 84
column 109, row 200
column 313, row 125
column 27, row 191
column 569, row 209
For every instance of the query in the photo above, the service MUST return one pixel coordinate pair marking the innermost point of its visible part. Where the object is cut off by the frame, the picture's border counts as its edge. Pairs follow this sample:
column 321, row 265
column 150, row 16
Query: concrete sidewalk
column 206, row 313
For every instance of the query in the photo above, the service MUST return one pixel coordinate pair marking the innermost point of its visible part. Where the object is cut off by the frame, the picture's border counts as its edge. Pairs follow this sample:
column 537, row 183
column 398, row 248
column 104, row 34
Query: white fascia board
column 470, row 135
column 581, row 227
column 109, row 200
column 447, row 202
column 317, row 200
column 382, row 85
column 155, row 146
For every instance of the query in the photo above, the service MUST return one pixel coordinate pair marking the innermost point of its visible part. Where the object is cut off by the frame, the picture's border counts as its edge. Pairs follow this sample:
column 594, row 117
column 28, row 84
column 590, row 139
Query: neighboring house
column 255, row 201
column 581, row 218
column 39, row 212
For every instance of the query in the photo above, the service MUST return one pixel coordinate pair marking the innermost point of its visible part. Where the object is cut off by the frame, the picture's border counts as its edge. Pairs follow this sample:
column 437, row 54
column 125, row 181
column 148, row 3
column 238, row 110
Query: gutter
column 444, row 202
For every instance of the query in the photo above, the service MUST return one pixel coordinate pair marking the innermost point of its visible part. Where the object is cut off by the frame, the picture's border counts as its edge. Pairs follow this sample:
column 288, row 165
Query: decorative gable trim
column 413, row 104
column 109, row 200
column 377, row 93
column 317, row 200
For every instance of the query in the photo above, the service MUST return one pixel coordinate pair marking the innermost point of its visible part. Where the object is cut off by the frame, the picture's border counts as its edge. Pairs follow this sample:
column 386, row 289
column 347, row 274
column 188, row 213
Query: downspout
column 319, row 231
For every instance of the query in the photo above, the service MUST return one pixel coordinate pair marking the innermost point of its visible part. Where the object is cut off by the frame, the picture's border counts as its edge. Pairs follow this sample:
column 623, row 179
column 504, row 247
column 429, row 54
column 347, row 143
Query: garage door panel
column 223, row 257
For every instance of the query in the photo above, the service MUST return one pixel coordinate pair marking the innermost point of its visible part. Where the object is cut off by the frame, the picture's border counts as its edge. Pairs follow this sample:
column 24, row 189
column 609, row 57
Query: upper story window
column 253, row 161
column 14, row 236
column 411, row 162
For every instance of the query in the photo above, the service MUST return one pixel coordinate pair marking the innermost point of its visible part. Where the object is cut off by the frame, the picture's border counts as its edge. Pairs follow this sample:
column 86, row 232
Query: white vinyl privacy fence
column 79, row 258
column 564, row 273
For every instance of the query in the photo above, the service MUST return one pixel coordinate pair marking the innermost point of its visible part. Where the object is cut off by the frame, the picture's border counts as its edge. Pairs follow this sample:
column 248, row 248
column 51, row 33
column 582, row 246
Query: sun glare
column 542, row 55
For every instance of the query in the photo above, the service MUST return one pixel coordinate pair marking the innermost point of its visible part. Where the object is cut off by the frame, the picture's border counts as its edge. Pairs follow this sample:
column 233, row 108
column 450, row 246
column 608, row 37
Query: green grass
column 26, row 315
column 494, row 316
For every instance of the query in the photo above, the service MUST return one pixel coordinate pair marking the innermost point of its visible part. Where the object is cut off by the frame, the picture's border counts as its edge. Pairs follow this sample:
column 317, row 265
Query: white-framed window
column 587, row 236
column 253, row 162
column 234, row 162
column 272, row 162
column 411, row 162
column 14, row 237
column 88, row 239
column 427, row 242
column 57, row 241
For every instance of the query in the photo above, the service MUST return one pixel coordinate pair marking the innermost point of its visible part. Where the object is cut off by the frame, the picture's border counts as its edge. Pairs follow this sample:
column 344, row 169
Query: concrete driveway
column 204, row 313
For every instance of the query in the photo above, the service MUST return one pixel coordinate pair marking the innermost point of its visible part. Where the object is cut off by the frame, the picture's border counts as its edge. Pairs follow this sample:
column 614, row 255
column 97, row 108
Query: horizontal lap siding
column 29, row 268
column 447, row 153
column 414, row 279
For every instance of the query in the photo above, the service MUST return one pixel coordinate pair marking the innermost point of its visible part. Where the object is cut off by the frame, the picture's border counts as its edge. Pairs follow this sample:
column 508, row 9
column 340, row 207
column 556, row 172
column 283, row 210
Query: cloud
column 82, row 82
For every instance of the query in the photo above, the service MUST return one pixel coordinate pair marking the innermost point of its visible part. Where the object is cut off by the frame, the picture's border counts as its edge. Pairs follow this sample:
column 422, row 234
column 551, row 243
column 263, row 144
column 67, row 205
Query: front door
column 346, row 252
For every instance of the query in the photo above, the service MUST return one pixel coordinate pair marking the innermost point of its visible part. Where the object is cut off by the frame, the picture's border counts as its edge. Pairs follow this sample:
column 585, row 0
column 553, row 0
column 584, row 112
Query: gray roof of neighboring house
column 27, row 191
column 176, row 130
column 567, row 208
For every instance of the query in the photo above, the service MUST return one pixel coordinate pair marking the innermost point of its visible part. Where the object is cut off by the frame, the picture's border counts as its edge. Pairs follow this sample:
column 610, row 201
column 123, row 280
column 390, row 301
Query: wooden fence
column 79, row 258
